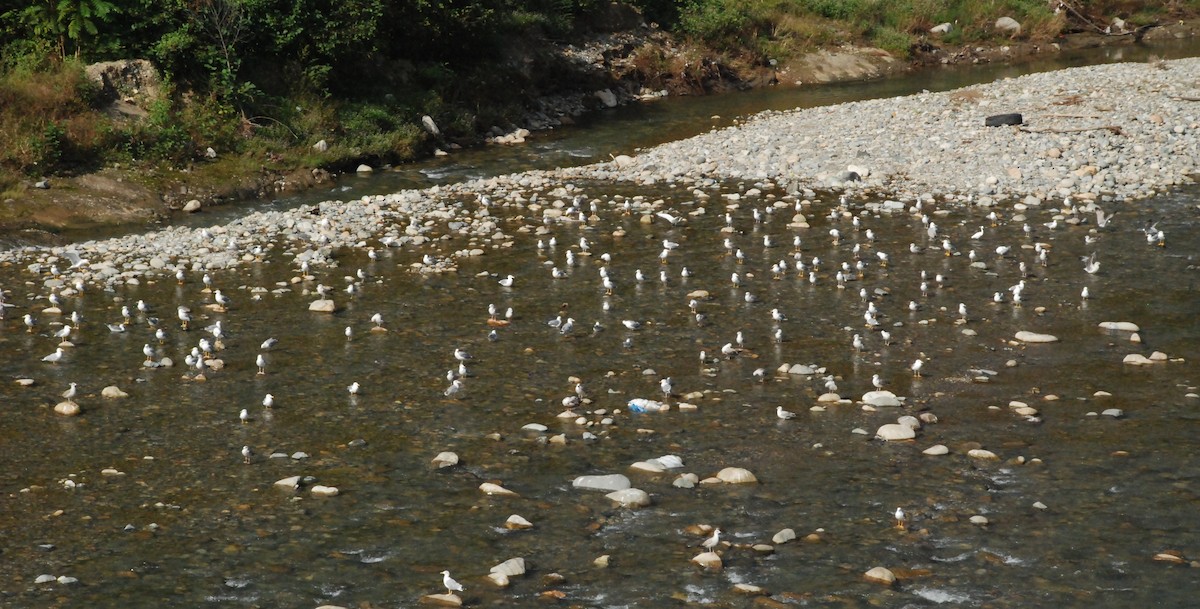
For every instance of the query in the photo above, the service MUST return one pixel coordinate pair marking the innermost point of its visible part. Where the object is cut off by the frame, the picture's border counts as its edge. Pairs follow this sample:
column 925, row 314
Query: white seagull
column 451, row 585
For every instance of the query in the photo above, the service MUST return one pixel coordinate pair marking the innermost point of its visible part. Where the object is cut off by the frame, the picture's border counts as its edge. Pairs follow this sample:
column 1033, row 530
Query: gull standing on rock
column 712, row 542
column 451, row 585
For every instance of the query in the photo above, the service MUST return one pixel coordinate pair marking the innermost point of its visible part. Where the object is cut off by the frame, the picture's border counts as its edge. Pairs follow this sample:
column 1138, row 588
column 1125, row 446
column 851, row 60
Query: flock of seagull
column 849, row 252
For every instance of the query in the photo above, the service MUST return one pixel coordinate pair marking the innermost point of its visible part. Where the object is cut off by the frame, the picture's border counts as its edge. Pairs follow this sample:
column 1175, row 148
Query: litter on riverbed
column 644, row 405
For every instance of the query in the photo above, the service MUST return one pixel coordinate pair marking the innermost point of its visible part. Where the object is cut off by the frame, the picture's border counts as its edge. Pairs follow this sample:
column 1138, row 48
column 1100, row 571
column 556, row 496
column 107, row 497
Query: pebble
column 1033, row 337
column 982, row 454
column 708, row 560
column 630, row 498
column 445, row 459
column 489, row 488
column 894, row 432
column 517, row 522
column 936, row 450
column 784, row 536
column 609, row 482
column 880, row 575
column 979, row 520
column 736, row 475
column 113, row 392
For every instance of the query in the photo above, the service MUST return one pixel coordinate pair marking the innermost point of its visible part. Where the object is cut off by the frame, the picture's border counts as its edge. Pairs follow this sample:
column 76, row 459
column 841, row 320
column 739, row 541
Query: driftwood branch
column 1184, row 98
column 1113, row 128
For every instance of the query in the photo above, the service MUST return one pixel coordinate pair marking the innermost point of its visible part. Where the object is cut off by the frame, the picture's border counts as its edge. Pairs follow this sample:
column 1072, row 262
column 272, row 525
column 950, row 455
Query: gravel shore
column 1101, row 133
column 1117, row 131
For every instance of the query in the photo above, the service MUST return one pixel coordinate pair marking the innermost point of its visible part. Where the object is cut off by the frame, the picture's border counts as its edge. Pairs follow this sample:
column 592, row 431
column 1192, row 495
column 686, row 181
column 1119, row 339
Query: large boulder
column 1008, row 25
column 133, row 81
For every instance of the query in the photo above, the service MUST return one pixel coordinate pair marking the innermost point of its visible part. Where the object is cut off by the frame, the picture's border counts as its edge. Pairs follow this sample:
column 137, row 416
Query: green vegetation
column 265, row 79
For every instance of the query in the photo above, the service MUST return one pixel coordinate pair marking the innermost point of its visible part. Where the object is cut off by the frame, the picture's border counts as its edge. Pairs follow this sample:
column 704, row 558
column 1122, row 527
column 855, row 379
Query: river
column 148, row 501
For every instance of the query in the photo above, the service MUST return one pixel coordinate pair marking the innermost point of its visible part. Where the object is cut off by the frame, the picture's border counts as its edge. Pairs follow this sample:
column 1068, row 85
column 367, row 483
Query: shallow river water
column 148, row 502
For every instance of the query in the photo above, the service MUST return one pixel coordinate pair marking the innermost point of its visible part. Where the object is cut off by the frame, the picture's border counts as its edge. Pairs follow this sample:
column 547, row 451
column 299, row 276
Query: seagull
column 712, row 542
column 55, row 357
column 1084, row 294
column 244, row 415
column 76, row 261
column 268, row 401
column 901, row 518
column 877, row 382
column 461, row 355
column 1090, row 266
column 29, row 322
column 674, row 220
column 353, row 388
column 63, row 332
column 784, row 414
column 116, row 328
column 377, row 319
column 69, row 393
column 267, row 344
column 507, row 282
column 261, row 362
column 631, row 324
column 451, row 585
column 185, row 316
column 916, row 367
column 664, row 384
column 246, row 454
column 349, row 333
column 454, row 388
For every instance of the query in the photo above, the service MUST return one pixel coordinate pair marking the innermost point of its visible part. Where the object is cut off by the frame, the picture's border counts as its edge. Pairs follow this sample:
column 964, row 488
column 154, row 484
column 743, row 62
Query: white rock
column 708, row 560
column 630, row 497
column 784, row 536
column 1115, row 413
column 894, row 432
column 192, row 206
column 1034, row 337
column 290, row 483
column 983, row 455
column 647, row 467
column 321, row 146
column 880, row 399
column 517, row 522
column 980, row 520
column 1137, row 359
column 1008, row 25
column 324, row 305
column 430, row 126
column 881, row 575
column 44, row 579
column 364, row 168
column 67, row 409
column 941, row 28
column 489, row 488
column 324, row 491
column 445, row 459
column 609, row 482
column 1120, row 326
column 113, row 392
column 607, row 97
column 736, row 475
column 936, row 450
column 512, row 567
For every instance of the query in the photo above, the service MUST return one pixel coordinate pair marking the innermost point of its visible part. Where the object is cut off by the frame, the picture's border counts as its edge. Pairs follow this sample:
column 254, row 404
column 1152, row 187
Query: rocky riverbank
column 1105, row 134
column 1114, row 132
column 141, row 196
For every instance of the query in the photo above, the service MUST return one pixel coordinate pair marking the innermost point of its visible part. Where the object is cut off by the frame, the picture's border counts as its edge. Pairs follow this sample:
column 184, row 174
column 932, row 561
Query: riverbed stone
column 784, row 536
column 67, row 409
column 516, row 522
column 324, row 305
column 936, row 450
column 1120, row 326
column 881, row 399
column 113, row 392
column 982, row 454
column 445, row 459
column 880, row 575
column 513, row 567
column 607, row 482
column 442, row 600
column 1034, row 337
column 895, row 432
column 630, row 498
column 708, row 560
column 736, row 475
column 491, row 488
